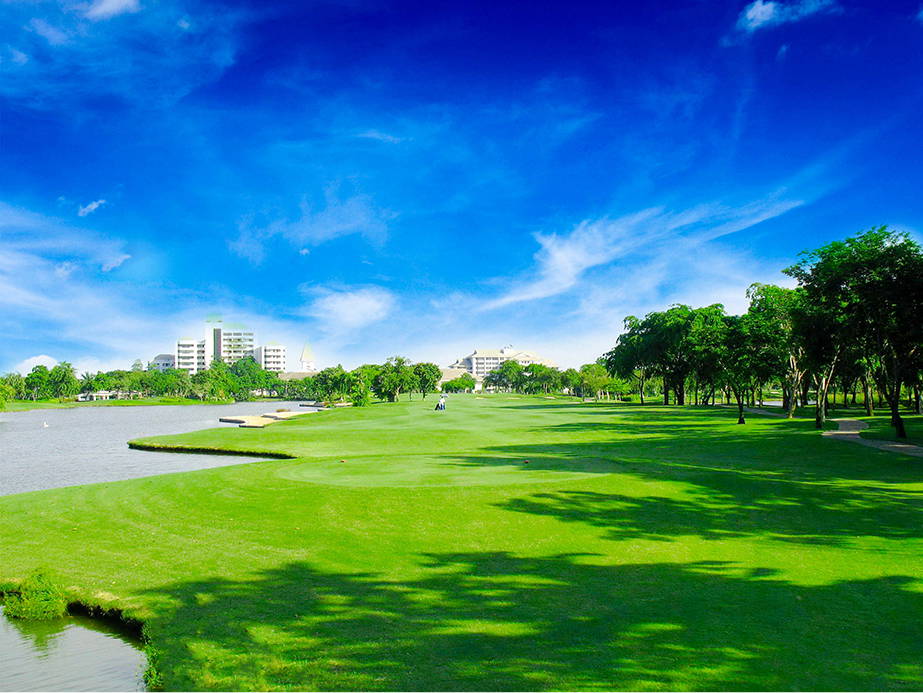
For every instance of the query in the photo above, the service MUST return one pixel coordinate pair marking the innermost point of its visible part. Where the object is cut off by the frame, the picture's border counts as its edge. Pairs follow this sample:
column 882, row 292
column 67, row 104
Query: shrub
column 38, row 598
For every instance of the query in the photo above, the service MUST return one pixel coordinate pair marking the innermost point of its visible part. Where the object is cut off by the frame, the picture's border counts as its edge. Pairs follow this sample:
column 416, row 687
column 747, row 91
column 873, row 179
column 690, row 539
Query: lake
column 85, row 445
column 75, row 653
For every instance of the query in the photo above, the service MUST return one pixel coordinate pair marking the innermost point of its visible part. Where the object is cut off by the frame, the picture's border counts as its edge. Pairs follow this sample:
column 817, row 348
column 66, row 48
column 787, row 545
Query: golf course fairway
column 507, row 543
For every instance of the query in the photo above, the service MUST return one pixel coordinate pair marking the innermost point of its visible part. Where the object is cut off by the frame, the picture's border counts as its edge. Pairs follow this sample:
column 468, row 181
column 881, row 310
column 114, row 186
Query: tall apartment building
column 230, row 343
column 271, row 356
column 482, row 361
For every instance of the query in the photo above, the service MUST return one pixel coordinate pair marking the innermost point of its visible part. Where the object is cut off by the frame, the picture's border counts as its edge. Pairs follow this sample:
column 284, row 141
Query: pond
column 75, row 653
column 49, row 448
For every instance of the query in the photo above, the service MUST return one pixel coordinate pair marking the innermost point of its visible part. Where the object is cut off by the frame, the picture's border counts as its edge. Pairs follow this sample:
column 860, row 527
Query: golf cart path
column 849, row 431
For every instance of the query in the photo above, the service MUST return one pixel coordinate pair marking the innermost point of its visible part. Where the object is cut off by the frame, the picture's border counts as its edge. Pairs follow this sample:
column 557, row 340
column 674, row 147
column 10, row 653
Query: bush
column 39, row 598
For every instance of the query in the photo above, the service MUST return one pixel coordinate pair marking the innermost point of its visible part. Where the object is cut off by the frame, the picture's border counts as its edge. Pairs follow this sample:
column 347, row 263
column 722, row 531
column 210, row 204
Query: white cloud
column 766, row 13
column 65, row 269
column 25, row 366
column 26, row 232
column 90, row 208
column 95, row 53
column 52, row 34
column 563, row 260
column 348, row 310
column 380, row 136
column 337, row 218
column 104, row 9
column 17, row 56
column 114, row 262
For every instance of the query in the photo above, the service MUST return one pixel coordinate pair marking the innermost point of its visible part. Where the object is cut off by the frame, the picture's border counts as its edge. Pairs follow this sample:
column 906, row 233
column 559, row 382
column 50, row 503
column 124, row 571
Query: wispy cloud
column 90, row 208
column 341, row 311
column 316, row 225
column 17, row 56
column 91, row 56
column 105, row 9
column 761, row 14
column 563, row 259
column 27, row 232
column 380, row 136
column 52, row 34
column 920, row 14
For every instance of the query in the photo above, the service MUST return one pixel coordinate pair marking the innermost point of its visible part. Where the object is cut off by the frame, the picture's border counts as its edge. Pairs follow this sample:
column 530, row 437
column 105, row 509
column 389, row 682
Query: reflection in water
column 75, row 653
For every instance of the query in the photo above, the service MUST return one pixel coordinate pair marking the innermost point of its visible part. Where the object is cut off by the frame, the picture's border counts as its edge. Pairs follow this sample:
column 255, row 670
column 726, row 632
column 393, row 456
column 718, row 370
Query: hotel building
column 230, row 343
column 482, row 361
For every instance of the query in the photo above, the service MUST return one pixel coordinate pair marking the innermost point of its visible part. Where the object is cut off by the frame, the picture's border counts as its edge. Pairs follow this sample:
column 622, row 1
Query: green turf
column 641, row 548
column 880, row 428
column 28, row 404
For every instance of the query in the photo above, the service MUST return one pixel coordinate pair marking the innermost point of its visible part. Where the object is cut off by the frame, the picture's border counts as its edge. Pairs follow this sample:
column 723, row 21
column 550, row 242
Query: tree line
column 590, row 380
column 854, row 321
column 219, row 381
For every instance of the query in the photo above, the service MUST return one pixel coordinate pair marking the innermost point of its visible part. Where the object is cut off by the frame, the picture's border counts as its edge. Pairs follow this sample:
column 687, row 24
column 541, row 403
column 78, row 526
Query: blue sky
column 385, row 178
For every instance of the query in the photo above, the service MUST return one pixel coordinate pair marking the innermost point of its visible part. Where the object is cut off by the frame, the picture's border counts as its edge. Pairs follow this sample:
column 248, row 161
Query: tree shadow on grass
column 495, row 621
column 780, row 479
column 794, row 514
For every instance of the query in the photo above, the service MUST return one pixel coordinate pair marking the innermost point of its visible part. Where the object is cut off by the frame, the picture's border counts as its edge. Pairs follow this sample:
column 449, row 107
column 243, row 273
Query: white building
column 228, row 342
column 190, row 355
column 271, row 357
column 482, row 361
column 162, row 362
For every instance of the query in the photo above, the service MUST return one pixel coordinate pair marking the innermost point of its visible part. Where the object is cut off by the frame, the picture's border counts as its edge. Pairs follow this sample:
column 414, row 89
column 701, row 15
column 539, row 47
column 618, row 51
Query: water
column 85, row 445
column 75, row 653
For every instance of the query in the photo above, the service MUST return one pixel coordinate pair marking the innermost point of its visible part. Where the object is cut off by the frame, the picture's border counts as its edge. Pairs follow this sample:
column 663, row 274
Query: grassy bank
column 639, row 548
column 28, row 404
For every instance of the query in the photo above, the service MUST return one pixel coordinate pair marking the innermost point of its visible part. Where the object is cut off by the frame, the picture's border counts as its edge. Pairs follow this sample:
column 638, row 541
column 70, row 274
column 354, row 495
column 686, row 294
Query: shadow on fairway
column 493, row 621
column 779, row 478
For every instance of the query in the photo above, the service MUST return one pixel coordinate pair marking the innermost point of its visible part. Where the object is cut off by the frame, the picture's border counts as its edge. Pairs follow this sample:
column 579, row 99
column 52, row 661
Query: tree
column 360, row 393
column 869, row 288
column 593, row 379
column 736, row 361
column 36, row 383
column 463, row 383
column 6, row 393
column 332, row 383
column 87, row 382
column 571, row 380
column 63, row 380
column 17, row 385
column 772, row 320
column 250, row 375
column 396, row 376
column 630, row 358
column 508, row 376
column 427, row 377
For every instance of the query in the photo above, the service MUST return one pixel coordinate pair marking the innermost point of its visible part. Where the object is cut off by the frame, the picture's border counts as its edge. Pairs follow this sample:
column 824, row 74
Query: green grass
column 641, row 548
column 28, row 404
column 880, row 428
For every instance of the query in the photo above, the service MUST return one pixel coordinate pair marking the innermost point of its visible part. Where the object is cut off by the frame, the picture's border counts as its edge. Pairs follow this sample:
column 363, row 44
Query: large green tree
column 772, row 320
column 36, row 383
column 395, row 377
column 427, row 377
column 869, row 289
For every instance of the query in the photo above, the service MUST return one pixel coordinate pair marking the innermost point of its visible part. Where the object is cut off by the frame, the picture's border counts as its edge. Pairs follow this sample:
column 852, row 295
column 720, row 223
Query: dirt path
column 849, row 431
